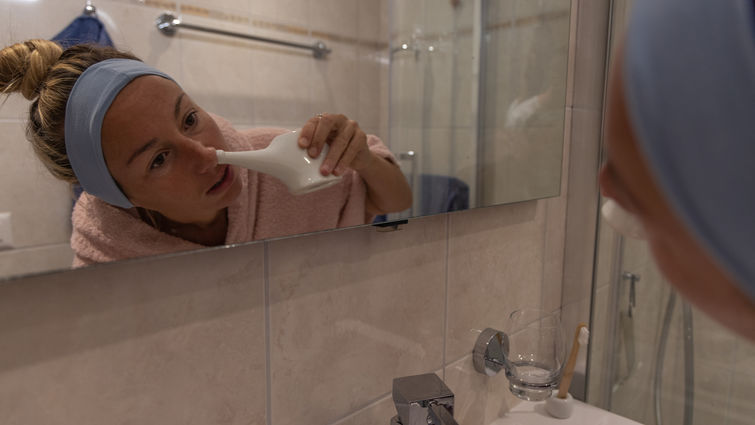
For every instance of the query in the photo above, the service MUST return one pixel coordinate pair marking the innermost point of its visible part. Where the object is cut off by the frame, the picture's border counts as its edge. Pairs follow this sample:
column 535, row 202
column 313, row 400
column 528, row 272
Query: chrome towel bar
column 168, row 23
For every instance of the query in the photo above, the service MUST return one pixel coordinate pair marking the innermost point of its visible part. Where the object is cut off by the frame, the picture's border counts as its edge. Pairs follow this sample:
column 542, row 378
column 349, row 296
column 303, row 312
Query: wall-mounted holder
column 532, row 357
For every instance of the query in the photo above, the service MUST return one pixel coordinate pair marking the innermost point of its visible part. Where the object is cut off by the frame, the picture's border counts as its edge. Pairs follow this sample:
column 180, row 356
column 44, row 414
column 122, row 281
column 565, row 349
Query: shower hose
column 689, row 367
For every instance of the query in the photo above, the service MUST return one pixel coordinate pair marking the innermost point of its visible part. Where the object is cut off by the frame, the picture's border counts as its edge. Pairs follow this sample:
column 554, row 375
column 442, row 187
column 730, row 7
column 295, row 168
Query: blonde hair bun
column 24, row 66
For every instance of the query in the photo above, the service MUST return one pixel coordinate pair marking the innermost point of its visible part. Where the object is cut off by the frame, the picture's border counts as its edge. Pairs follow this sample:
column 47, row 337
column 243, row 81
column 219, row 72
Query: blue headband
column 90, row 99
column 690, row 84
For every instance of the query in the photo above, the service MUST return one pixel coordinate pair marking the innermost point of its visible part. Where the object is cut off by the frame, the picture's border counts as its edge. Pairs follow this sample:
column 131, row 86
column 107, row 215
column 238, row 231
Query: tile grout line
column 268, row 358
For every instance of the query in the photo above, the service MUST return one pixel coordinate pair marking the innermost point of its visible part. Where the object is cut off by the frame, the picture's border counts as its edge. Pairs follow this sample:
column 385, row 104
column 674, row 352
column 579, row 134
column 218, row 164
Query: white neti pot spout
column 285, row 160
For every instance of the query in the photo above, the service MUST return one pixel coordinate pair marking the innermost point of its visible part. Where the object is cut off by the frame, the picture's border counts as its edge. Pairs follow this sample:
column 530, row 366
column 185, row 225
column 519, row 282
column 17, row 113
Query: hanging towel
column 84, row 29
column 443, row 194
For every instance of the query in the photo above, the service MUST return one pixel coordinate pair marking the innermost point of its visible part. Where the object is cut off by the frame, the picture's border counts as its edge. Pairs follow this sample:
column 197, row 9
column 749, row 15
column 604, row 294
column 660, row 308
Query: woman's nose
column 204, row 157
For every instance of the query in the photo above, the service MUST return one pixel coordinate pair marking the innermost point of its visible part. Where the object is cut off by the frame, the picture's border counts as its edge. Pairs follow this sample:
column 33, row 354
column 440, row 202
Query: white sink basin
column 533, row 413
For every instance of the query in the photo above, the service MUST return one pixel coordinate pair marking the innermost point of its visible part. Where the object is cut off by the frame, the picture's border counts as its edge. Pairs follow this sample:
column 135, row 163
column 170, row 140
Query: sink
column 533, row 413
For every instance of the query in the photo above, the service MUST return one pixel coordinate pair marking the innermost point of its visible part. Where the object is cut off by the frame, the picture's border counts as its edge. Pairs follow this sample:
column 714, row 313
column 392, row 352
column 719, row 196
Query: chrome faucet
column 423, row 400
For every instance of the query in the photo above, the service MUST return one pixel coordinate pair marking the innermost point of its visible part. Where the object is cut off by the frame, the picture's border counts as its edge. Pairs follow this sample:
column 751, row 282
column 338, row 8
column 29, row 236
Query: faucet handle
column 416, row 396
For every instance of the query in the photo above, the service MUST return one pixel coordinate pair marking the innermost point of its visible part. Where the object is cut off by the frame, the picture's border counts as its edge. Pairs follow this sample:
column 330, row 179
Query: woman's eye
column 158, row 161
column 191, row 119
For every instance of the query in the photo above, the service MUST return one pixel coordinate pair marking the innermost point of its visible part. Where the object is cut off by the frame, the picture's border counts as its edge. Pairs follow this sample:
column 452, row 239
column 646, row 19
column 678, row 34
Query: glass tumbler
column 536, row 354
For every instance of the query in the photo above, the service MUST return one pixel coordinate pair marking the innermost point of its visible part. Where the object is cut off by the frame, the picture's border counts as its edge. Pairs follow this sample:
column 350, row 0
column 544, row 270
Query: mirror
column 468, row 95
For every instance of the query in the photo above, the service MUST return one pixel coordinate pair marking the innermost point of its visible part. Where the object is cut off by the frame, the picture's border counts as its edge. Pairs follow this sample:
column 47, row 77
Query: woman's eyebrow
column 141, row 150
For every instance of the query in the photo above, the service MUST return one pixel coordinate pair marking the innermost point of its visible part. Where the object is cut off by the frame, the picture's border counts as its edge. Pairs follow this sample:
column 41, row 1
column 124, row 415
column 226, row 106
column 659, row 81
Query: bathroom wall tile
column 335, row 82
column 571, row 316
column 377, row 413
column 571, row 61
column 495, row 259
column 230, row 94
column 132, row 28
column 555, row 230
column 40, row 204
column 35, row 259
column 370, row 104
column 720, row 347
column 740, row 409
column 335, row 16
column 464, row 160
column 464, row 100
column 282, row 87
column 598, row 348
column 437, row 100
column 226, row 6
column 478, row 399
column 581, row 215
column 407, row 18
column 373, row 20
column 291, row 12
column 590, row 60
column 339, row 334
column 41, row 19
column 407, row 91
column 167, row 340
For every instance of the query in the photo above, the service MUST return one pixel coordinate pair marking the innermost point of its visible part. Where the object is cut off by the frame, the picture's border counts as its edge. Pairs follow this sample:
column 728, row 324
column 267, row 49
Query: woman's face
column 160, row 148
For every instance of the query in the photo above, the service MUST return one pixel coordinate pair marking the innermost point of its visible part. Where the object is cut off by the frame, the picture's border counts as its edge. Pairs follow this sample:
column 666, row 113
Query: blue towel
column 442, row 194
column 439, row 194
column 84, row 29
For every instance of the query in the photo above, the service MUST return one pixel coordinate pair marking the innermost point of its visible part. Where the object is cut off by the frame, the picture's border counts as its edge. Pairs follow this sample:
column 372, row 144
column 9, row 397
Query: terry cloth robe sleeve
column 263, row 209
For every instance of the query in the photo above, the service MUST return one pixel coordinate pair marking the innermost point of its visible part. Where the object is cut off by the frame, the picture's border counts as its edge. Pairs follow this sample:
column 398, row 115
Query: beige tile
column 478, row 398
column 582, row 204
column 40, row 204
column 339, row 332
column 408, row 18
column 36, row 259
column 282, row 87
column 168, row 341
column 292, row 12
column 590, row 61
column 369, row 110
column 132, row 28
column 377, row 413
column 230, row 94
column 227, row 6
column 740, row 410
column 372, row 20
column 335, row 82
column 338, row 17
column 494, row 267
column 599, row 349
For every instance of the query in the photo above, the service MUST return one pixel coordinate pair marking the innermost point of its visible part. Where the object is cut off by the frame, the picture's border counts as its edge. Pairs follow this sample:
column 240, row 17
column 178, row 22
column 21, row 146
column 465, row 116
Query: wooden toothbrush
column 581, row 336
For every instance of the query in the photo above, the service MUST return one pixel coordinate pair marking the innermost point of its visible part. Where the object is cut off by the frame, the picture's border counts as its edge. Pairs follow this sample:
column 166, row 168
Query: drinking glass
column 536, row 354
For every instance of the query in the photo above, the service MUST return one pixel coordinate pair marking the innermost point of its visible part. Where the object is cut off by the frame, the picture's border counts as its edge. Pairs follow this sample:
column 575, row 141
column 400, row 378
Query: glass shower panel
column 525, row 53
column 432, row 112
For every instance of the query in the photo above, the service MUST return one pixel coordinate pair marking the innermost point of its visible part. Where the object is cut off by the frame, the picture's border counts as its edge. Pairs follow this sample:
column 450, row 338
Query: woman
column 144, row 153
column 681, row 143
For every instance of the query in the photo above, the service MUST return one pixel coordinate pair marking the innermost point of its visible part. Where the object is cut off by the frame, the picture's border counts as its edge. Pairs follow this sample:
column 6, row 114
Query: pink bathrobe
column 264, row 209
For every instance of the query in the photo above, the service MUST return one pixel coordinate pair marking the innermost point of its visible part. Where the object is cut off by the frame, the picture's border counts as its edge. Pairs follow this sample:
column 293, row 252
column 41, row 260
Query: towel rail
column 168, row 23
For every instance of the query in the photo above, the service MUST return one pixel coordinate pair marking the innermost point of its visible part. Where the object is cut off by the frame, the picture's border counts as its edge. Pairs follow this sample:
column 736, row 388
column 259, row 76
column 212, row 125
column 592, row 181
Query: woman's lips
column 224, row 181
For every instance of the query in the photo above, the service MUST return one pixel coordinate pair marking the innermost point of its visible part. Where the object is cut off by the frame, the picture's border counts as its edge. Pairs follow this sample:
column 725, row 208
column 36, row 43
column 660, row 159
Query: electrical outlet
column 6, row 231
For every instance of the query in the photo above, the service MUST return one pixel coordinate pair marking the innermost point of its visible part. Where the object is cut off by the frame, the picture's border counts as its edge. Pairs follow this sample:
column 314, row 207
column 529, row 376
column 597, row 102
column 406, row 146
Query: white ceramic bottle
column 285, row 160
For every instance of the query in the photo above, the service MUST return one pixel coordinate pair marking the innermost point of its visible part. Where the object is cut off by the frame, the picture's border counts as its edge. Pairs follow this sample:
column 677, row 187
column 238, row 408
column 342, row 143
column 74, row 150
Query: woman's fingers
column 351, row 155
column 308, row 131
column 338, row 146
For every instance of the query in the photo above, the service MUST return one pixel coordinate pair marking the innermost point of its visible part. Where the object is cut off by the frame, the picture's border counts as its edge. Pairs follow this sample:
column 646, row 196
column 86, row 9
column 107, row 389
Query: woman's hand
column 348, row 143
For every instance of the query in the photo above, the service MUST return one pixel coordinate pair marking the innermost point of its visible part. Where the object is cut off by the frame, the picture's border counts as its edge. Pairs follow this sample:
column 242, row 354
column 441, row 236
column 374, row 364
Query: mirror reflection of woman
column 144, row 153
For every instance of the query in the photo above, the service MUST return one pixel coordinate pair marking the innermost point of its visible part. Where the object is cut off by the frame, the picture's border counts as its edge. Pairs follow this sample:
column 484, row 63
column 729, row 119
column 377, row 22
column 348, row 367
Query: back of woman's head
column 45, row 74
